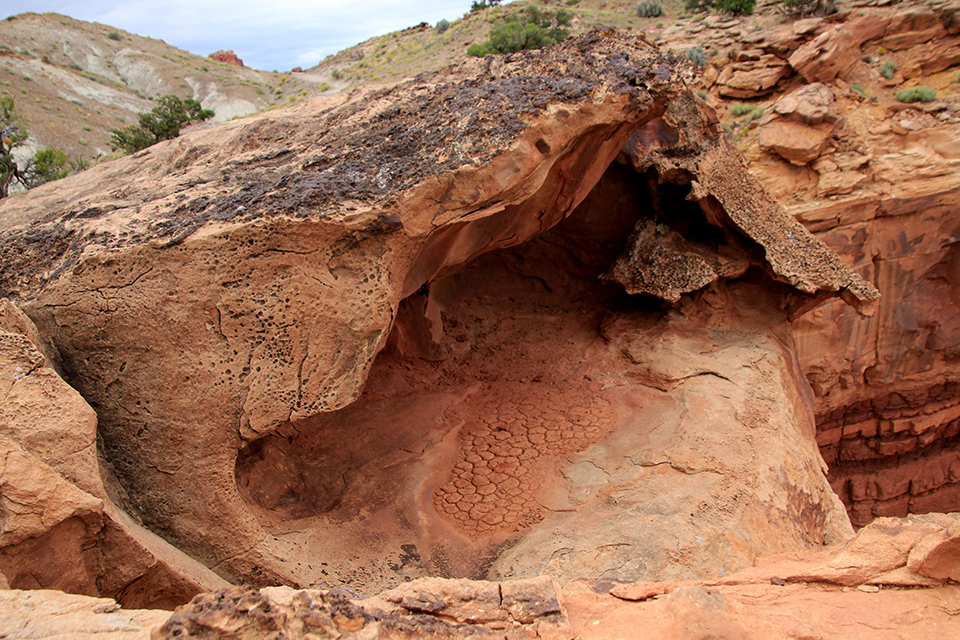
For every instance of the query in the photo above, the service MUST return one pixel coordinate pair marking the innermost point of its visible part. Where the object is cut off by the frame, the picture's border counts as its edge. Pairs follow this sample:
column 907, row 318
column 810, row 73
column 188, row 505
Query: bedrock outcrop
column 889, row 403
column 526, row 315
column 883, row 196
column 876, row 180
column 888, row 582
column 59, row 529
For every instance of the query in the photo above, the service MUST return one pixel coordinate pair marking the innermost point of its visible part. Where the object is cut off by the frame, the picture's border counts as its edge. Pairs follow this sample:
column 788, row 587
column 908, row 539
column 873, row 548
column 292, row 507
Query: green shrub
column 858, row 88
column 697, row 5
column 698, row 56
column 889, row 69
column 14, row 135
column 442, row 26
column 916, row 94
column 515, row 33
column 649, row 9
column 749, row 112
column 44, row 166
column 736, row 7
column 483, row 4
column 49, row 165
column 162, row 123
column 337, row 74
column 113, row 35
column 809, row 7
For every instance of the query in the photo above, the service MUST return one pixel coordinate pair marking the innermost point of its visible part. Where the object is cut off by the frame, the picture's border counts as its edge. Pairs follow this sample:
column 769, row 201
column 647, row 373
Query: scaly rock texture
column 385, row 313
column 426, row 608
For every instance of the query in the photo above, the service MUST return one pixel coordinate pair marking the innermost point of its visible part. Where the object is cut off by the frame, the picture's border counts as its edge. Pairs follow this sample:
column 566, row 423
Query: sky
column 266, row 34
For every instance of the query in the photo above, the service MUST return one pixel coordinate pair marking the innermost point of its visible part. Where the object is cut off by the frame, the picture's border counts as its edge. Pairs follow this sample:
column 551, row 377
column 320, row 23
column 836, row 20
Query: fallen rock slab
column 811, row 104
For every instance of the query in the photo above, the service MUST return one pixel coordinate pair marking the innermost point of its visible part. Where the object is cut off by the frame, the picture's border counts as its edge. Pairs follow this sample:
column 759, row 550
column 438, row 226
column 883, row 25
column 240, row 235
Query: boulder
column 833, row 53
column 383, row 312
column 811, row 104
column 752, row 78
column 937, row 556
column 795, row 142
column 782, row 41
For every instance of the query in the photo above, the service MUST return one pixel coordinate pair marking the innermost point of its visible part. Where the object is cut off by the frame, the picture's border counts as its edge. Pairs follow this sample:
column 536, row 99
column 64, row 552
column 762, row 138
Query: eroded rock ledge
column 365, row 340
column 881, row 580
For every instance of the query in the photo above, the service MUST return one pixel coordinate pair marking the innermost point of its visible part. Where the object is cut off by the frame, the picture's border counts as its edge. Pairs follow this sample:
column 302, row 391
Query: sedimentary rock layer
column 887, row 386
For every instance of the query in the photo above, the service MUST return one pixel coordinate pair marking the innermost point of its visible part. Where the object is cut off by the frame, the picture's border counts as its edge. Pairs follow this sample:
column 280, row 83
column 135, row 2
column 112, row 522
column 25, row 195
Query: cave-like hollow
column 468, row 432
column 484, row 379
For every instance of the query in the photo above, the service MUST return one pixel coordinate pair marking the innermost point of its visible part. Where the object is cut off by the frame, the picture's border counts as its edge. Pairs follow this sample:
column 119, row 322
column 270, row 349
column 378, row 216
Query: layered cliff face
column 889, row 408
column 881, row 190
column 525, row 315
column 813, row 104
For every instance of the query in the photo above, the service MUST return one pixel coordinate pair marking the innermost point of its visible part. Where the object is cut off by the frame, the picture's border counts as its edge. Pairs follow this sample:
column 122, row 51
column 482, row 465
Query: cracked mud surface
column 504, row 440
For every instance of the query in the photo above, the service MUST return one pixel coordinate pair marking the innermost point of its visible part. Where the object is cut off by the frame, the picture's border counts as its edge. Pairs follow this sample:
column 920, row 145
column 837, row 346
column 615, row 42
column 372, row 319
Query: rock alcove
column 527, row 315
column 511, row 402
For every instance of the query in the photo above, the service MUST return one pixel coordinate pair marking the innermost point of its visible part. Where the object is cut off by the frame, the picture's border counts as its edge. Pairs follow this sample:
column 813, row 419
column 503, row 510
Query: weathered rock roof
column 386, row 159
column 339, row 159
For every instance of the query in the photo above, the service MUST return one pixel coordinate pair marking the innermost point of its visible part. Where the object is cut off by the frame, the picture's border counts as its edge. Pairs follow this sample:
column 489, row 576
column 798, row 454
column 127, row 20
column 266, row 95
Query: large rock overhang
column 210, row 289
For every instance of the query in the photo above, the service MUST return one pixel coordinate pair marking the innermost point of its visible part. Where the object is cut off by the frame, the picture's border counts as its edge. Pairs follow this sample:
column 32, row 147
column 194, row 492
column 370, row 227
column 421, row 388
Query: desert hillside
column 73, row 81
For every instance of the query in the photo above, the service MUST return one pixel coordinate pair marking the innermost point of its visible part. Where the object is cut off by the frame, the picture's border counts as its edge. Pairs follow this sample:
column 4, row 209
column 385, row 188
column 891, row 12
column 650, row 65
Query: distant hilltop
column 227, row 57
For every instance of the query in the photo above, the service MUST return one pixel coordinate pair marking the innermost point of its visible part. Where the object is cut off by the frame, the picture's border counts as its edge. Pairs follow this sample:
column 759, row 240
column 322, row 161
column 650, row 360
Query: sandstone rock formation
column 54, row 614
column 426, row 608
column 518, row 413
column 877, row 187
column 804, row 124
column 226, row 57
column 886, row 387
column 877, row 585
column 223, row 300
column 59, row 528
